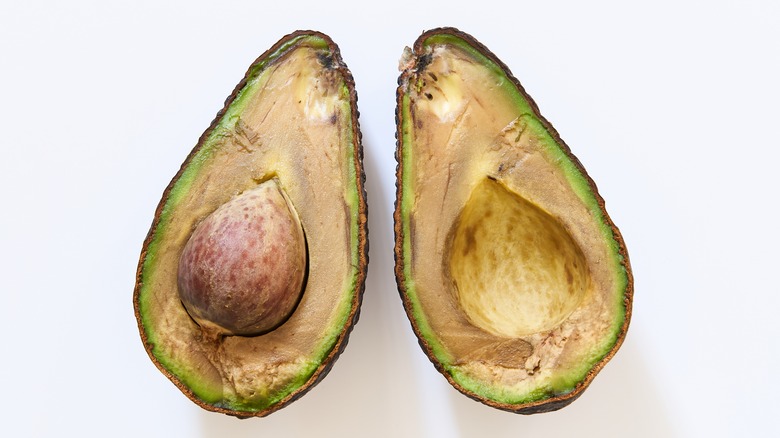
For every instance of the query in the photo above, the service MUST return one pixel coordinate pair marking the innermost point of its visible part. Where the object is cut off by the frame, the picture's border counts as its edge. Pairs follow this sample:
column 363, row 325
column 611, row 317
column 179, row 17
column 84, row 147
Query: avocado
column 514, row 278
column 252, row 274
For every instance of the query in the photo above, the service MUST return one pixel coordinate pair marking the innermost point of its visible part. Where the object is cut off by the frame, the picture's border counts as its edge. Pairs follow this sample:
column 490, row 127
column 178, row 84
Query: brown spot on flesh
column 471, row 241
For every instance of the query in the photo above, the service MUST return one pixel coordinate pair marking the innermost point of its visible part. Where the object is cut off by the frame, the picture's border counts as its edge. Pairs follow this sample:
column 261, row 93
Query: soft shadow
column 623, row 400
column 361, row 396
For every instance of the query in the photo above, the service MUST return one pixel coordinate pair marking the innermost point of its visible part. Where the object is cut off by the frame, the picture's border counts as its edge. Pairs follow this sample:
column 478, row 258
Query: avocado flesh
column 469, row 137
column 292, row 118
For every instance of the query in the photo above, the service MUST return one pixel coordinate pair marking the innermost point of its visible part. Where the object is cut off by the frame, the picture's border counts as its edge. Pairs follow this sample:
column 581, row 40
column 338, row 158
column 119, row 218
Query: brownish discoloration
column 412, row 68
column 511, row 353
column 471, row 241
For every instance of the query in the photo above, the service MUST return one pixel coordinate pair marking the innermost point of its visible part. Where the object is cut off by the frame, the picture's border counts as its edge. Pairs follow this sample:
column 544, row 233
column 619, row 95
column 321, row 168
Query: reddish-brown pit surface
column 242, row 270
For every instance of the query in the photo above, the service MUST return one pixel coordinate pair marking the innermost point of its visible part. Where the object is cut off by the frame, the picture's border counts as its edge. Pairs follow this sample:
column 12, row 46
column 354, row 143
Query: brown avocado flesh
column 291, row 125
column 514, row 278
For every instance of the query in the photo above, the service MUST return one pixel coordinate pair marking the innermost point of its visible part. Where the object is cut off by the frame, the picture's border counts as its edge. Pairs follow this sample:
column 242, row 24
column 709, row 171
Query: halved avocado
column 292, row 120
column 516, row 282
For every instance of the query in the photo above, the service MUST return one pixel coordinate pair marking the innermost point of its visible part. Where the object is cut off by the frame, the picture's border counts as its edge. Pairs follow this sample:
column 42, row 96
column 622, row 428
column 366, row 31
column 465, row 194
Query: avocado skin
column 334, row 61
column 552, row 403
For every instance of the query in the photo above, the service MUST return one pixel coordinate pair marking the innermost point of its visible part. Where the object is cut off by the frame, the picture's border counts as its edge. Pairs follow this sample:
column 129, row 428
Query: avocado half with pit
column 515, row 280
column 251, row 277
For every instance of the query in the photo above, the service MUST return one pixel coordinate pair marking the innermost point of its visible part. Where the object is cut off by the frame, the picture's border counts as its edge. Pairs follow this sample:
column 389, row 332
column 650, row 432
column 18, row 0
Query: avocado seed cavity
column 243, row 268
column 516, row 269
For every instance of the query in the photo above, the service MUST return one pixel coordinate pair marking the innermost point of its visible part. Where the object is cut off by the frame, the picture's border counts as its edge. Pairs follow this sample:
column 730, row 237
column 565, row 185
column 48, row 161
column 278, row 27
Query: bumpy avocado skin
column 190, row 366
column 413, row 67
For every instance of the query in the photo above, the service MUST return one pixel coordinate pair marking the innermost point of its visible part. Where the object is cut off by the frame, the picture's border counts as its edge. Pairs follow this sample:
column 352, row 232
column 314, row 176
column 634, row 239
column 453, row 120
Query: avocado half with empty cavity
column 251, row 277
column 515, row 280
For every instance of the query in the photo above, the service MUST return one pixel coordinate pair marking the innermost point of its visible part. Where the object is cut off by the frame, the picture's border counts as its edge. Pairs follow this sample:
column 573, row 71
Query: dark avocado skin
column 554, row 402
column 334, row 61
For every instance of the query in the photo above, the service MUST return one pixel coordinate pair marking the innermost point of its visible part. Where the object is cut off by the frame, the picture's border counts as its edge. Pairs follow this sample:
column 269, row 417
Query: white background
column 672, row 106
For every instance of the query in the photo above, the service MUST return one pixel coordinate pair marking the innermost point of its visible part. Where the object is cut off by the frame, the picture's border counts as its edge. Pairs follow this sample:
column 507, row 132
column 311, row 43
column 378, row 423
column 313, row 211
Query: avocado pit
column 242, row 269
